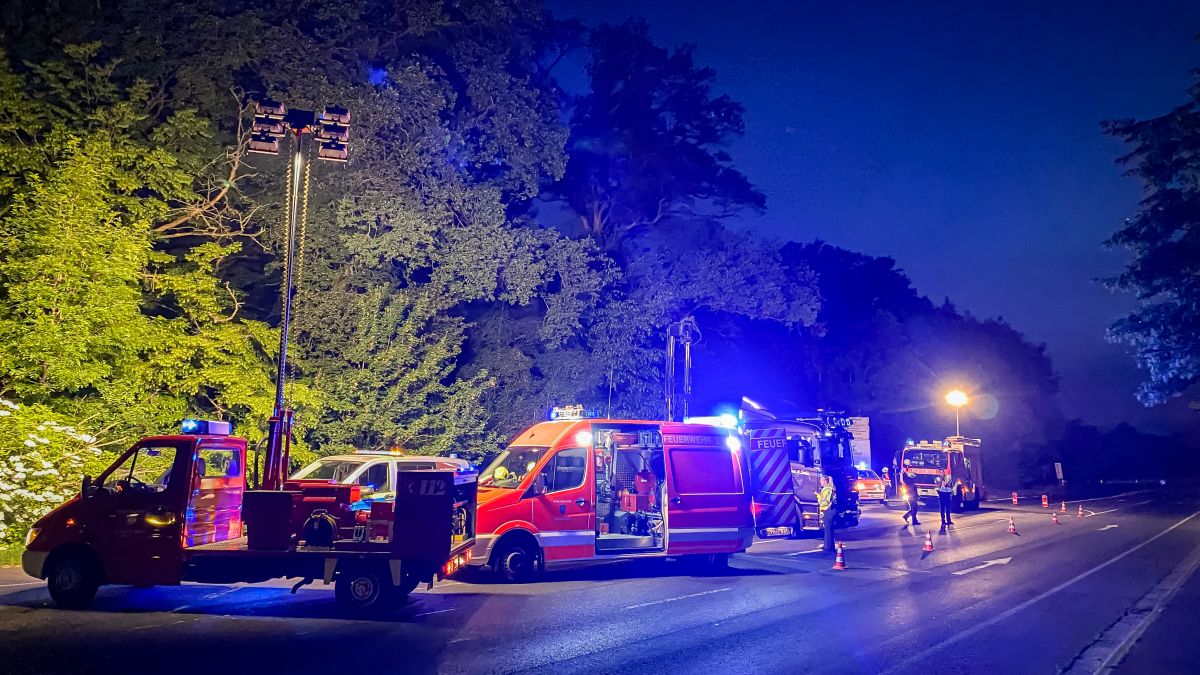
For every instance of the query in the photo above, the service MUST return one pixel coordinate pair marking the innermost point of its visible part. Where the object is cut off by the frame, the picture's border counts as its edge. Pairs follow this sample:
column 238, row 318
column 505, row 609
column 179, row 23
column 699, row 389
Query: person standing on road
column 945, row 488
column 909, row 484
column 825, row 500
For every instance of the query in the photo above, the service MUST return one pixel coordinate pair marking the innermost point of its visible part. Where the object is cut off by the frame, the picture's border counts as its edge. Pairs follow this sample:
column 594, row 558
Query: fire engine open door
column 708, row 506
column 774, row 503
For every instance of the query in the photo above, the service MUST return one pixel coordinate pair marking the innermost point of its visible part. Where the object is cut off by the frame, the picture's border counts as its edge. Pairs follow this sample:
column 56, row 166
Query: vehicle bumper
column 871, row 496
column 34, row 563
column 482, row 551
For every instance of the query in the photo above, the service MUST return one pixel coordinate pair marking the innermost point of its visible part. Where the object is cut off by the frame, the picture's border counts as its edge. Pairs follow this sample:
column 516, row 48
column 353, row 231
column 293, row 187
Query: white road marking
column 985, row 565
column 811, row 550
column 436, row 611
column 1114, row 643
column 905, row 664
column 210, row 596
column 680, row 597
column 1089, row 514
column 26, row 583
column 1108, row 527
column 1142, row 503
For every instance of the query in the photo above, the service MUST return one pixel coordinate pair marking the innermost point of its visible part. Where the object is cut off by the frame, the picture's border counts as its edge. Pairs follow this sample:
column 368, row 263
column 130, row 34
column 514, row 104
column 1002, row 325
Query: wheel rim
column 517, row 561
column 67, row 577
column 363, row 589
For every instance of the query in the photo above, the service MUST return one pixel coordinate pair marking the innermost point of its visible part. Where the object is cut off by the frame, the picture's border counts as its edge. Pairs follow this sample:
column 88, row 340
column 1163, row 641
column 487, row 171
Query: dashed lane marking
column 906, row 664
column 25, row 583
column 1108, row 527
column 436, row 611
column 679, row 597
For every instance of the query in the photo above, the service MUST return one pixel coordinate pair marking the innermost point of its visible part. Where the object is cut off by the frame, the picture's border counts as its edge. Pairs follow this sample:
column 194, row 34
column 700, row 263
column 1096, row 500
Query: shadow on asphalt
column 310, row 603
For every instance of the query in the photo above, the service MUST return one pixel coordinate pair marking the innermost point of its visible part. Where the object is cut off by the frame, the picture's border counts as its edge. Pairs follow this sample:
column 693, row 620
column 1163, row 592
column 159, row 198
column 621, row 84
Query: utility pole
column 331, row 129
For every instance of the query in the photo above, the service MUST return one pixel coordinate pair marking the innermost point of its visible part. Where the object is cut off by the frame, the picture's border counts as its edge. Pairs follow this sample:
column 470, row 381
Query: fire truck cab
column 957, row 457
column 574, row 489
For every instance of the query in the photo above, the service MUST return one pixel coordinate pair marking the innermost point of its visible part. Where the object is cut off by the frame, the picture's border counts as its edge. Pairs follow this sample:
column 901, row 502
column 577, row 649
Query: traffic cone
column 1063, row 508
column 1015, row 499
column 1012, row 525
column 1045, row 502
column 928, row 543
column 839, row 563
column 1054, row 519
column 1080, row 514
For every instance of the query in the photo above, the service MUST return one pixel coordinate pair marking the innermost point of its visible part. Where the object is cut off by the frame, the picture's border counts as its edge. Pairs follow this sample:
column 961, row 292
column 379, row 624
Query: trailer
column 175, row 508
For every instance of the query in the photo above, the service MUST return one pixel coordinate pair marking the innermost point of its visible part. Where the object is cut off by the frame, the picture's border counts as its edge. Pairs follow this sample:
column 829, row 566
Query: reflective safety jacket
column 825, row 498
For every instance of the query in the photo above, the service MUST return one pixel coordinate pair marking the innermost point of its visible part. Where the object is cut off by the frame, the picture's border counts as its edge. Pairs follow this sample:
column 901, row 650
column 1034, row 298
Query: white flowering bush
column 42, row 462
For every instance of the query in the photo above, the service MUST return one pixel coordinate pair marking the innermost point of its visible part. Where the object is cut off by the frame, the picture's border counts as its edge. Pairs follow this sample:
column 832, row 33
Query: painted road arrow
column 985, row 565
column 1108, row 527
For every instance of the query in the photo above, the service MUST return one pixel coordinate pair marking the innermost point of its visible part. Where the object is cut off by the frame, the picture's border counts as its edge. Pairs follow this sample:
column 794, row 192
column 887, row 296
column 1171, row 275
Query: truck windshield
column 511, row 466
column 336, row 470
column 925, row 459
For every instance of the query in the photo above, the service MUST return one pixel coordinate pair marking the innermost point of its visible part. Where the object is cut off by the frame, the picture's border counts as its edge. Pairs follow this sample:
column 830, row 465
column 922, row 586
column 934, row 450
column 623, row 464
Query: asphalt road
column 1115, row 588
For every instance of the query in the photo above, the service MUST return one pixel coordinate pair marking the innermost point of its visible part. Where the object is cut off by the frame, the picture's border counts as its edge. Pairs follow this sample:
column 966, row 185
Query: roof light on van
column 571, row 412
column 206, row 427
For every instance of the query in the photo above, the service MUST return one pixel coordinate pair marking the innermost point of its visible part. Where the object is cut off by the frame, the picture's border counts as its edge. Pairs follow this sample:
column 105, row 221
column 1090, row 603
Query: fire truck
column 175, row 508
column 787, row 458
column 957, row 457
column 577, row 488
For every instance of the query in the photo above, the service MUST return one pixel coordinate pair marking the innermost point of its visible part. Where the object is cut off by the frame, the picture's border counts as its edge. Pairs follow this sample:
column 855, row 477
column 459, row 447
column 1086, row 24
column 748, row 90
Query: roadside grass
column 10, row 555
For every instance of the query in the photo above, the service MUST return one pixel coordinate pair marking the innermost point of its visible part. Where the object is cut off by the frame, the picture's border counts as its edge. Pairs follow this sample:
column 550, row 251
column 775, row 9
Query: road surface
column 1072, row 597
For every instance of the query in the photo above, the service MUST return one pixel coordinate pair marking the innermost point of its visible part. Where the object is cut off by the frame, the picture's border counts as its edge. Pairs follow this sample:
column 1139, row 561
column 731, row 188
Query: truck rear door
column 708, row 504
column 774, row 503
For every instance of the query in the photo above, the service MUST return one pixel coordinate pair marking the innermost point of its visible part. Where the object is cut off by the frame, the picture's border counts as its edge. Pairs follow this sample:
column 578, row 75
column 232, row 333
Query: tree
column 648, row 139
column 1164, row 239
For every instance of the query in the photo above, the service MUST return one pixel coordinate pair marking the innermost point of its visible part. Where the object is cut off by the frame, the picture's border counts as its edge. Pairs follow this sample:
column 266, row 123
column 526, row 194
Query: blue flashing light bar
column 572, row 412
column 206, row 427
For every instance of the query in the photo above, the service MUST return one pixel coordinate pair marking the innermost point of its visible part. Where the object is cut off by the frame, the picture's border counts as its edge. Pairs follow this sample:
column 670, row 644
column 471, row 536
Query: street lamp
column 331, row 129
column 958, row 399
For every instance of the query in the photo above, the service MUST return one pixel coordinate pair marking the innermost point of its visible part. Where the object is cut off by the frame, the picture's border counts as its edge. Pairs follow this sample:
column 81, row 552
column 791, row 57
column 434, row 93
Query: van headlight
column 31, row 535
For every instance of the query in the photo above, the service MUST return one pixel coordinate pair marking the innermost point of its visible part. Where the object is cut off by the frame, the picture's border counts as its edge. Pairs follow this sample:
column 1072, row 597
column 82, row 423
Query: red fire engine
column 176, row 508
column 590, row 489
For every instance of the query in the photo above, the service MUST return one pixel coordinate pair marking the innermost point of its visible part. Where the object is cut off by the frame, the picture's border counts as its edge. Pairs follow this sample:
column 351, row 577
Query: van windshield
column 511, row 466
column 925, row 459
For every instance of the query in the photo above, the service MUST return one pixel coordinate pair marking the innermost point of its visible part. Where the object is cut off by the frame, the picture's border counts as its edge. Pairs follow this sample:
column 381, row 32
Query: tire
column 365, row 588
column 72, row 579
column 707, row 563
column 516, row 562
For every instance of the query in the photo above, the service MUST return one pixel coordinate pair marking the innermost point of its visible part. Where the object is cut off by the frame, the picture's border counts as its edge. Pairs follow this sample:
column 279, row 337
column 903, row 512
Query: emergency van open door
column 708, row 506
column 774, row 497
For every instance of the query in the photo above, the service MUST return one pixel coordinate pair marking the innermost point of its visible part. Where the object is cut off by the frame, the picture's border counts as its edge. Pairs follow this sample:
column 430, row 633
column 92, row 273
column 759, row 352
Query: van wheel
column 72, row 580
column 364, row 588
column 516, row 562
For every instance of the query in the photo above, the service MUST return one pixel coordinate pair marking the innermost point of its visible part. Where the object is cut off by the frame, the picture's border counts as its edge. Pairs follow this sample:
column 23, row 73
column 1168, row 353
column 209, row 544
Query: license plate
column 778, row 531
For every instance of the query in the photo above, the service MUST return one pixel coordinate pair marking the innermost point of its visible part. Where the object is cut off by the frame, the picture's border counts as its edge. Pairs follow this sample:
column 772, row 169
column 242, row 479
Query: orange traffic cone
column 839, row 563
column 1080, row 514
column 928, row 542
column 1012, row 525
column 1064, row 507
column 1054, row 519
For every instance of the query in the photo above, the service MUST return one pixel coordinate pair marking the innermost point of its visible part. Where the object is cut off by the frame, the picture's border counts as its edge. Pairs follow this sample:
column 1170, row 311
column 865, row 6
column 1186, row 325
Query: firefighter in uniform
column 825, row 499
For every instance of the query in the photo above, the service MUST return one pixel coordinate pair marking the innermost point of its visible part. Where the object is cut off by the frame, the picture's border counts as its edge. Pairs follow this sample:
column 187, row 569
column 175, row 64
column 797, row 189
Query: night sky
column 963, row 142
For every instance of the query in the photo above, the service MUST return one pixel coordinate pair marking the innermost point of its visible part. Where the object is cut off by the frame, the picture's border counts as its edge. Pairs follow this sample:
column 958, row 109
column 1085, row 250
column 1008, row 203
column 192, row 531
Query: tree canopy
column 1164, row 240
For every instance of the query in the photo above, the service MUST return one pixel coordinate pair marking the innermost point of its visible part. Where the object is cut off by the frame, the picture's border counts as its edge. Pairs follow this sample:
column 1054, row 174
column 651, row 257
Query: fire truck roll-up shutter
column 774, row 504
